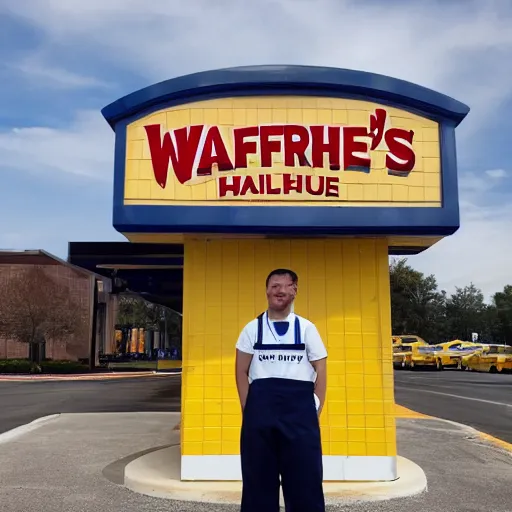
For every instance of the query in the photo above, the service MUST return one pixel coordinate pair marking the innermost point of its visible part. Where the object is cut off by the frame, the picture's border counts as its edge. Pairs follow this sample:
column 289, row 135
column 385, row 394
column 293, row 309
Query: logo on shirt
column 281, row 358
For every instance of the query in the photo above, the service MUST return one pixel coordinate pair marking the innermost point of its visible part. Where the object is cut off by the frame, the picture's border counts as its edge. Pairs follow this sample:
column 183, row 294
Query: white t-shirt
column 284, row 364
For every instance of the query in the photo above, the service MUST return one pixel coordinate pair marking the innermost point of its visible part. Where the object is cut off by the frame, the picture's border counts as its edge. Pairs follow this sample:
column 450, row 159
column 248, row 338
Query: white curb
column 16, row 432
column 157, row 474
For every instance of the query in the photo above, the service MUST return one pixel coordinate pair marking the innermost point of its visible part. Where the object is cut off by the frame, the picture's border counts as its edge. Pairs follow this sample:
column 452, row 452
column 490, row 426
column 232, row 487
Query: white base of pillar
column 337, row 468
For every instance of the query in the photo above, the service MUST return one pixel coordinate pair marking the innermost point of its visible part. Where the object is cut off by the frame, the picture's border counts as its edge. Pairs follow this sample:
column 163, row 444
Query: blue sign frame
column 290, row 220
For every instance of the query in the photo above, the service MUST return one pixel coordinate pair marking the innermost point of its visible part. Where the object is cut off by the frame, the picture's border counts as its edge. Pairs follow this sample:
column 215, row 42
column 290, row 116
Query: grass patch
column 24, row 366
column 135, row 365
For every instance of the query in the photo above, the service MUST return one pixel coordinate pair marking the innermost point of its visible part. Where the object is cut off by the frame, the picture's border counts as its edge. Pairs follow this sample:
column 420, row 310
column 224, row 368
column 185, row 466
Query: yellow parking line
column 403, row 412
column 495, row 441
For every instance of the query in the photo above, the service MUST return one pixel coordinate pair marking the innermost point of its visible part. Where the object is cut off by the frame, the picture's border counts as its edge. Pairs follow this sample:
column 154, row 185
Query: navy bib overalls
column 280, row 437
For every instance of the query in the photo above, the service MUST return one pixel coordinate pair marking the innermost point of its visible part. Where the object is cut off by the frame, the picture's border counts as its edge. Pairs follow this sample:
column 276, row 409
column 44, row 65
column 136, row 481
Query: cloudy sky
column 61, row 61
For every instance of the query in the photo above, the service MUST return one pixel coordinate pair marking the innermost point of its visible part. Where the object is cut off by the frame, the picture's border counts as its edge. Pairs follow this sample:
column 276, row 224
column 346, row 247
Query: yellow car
column 468, row 353
column 407, row 339
column 492, row 358
column 402, row 354
column 423, row 355
column 450, row 353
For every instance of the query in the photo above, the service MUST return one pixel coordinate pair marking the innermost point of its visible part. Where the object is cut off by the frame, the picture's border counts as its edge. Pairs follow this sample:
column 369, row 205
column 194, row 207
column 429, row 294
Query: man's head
column 281, row 288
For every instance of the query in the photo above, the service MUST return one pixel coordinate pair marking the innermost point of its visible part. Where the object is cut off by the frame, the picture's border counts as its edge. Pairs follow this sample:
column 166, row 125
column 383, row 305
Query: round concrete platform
column 158, row 474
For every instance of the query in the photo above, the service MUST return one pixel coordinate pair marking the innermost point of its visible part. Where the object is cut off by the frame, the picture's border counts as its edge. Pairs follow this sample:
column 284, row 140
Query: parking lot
column 73, row 476
column 481, row 400
column 23, row 402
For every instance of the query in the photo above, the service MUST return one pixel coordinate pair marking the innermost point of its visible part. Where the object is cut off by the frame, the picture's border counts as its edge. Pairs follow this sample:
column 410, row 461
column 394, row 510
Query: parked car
column 400, row 355
column 424, row 356
column 492, row 358
column 467, row 351
column 450, row 353
column 406, row 339
column 403, row 353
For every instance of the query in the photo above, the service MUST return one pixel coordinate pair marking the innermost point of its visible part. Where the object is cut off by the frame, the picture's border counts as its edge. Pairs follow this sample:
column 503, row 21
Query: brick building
column 98, row 313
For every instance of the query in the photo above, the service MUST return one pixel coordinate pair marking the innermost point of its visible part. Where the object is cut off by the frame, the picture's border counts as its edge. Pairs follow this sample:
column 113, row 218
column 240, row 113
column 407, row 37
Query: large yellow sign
column 283, row 150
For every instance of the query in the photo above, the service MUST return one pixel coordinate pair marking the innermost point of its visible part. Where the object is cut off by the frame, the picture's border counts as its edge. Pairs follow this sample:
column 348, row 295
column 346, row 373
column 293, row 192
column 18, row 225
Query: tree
column 134, row 311
column 417, row 306
column 34, row 308
column 491, row 330
column 502, row 302
column 466, row 310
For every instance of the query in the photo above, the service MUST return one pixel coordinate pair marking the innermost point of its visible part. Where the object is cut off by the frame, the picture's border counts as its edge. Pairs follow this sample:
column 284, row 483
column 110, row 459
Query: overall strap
column 298, row 340
column 297, row 345
column 259, row 337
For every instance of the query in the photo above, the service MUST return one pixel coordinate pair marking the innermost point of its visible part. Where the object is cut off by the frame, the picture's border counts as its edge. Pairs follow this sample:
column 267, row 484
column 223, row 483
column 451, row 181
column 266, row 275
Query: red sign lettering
column 275, row 184
column 201, row 151
column 400, row 159
column 214, row 153
column 180, row 149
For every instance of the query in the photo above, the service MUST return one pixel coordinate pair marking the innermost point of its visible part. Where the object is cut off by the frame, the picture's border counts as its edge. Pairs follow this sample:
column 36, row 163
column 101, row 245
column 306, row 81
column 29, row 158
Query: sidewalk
column 84, row 376
column 157, row 474
column 76, row 463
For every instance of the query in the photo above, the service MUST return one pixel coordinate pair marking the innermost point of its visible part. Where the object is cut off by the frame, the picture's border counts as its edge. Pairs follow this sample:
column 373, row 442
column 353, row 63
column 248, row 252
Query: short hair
column 283, row 272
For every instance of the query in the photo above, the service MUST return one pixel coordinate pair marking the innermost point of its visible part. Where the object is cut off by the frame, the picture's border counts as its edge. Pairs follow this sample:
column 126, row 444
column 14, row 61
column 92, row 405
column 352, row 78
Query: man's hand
column 242, row 364
column 320, row 367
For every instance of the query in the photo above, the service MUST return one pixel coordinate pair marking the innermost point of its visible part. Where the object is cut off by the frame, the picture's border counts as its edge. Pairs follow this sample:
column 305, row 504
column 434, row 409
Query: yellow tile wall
column 421, row 188
column 343, row 289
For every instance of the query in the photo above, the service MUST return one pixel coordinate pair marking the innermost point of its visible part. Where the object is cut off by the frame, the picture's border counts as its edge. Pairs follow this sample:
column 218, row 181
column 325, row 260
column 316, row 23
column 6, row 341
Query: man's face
column 281, row 292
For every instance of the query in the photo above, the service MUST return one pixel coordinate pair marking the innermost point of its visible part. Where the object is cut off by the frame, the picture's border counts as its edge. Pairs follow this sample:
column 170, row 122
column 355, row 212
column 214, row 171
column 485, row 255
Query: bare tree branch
column 35, row 308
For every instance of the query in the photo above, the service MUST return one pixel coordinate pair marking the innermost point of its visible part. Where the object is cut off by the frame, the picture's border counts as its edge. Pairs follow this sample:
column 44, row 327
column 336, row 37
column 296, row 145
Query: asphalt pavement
column 480, row 400
column 75, row 463
column 23, row 402
column 73, row 459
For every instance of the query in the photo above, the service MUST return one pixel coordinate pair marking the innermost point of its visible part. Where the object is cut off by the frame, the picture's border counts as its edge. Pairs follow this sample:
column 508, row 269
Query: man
column 281, row 381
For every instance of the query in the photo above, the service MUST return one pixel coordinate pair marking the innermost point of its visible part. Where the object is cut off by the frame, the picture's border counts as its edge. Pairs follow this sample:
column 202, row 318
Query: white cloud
column 480, row 250
column 75, row 214
column 41, row 74
column 496, row 173
column 458, row 48
column 84, row 148
column 56, row 240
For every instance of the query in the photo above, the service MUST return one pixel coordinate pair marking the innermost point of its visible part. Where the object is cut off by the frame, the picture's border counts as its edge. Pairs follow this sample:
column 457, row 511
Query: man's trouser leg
column 259, row 456
column 300, row 455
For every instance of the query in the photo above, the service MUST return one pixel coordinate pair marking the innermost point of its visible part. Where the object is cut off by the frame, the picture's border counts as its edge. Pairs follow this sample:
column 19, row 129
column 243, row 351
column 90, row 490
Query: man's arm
column 320, row 367
column 317, row 355
column 244, row 352
column 242, row 364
